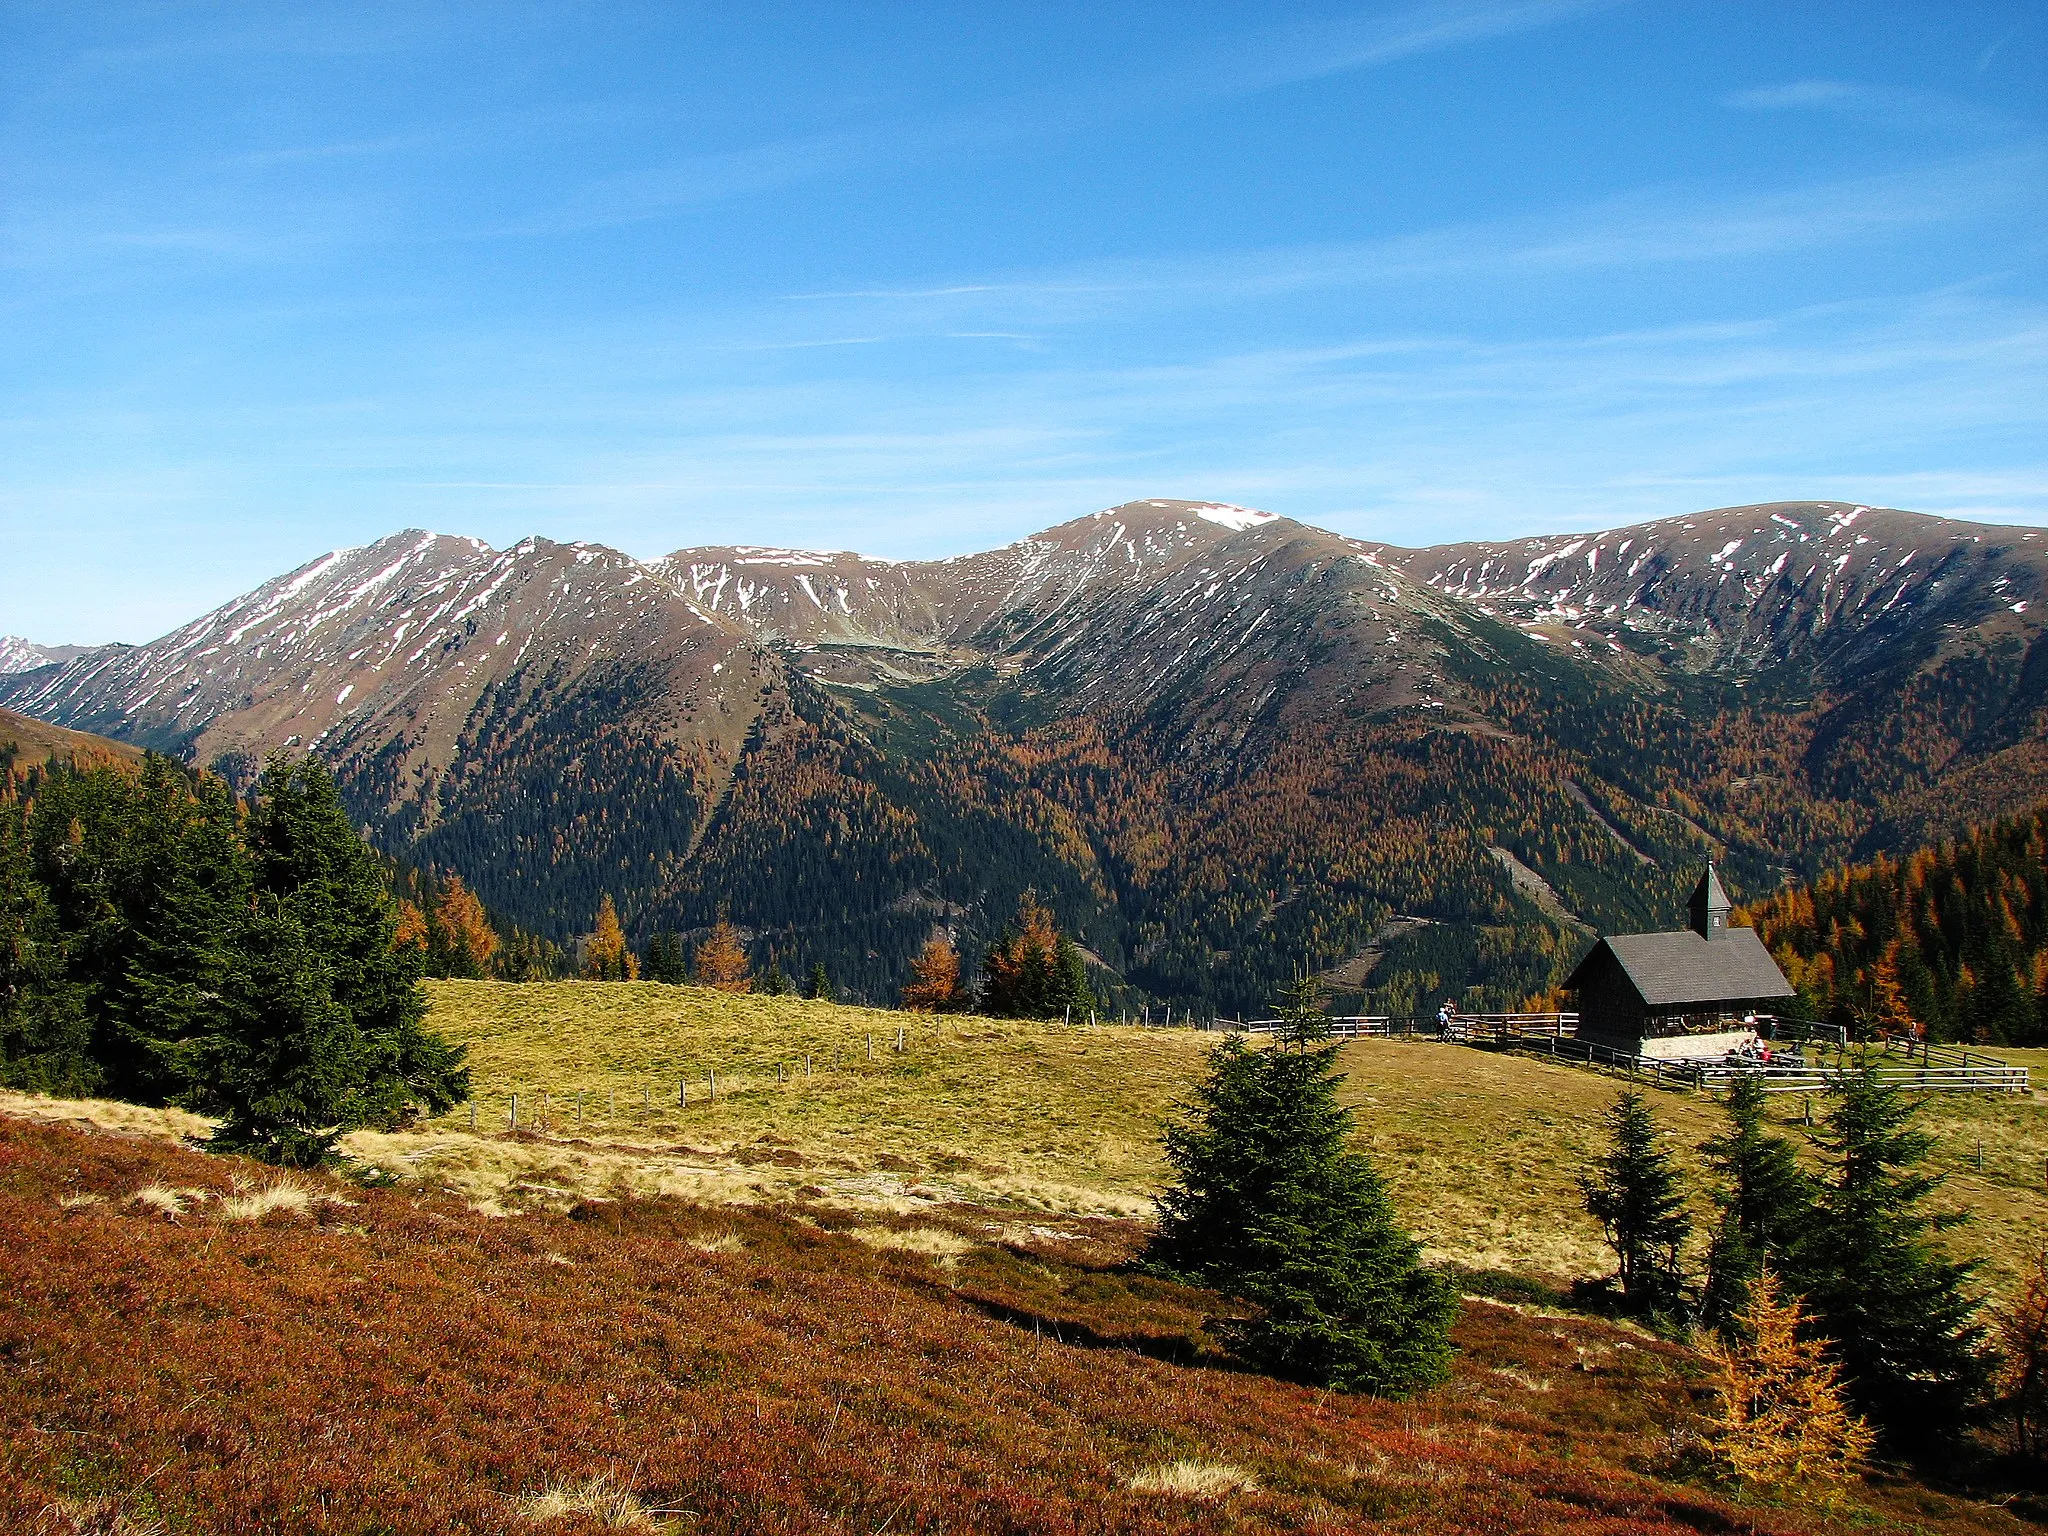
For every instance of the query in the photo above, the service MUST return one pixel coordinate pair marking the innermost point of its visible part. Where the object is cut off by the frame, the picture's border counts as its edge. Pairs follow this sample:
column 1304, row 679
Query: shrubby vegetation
column 165, row 943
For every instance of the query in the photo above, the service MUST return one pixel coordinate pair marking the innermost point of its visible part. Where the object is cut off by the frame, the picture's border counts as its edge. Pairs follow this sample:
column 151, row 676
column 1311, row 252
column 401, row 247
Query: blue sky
column 921, row 279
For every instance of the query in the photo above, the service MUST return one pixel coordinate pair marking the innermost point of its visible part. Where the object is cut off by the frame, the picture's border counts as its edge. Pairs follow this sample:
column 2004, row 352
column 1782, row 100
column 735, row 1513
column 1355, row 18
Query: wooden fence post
column 611, row 1105
column 472, row 1114
column 807, row 1065
column 871, row 1047
column 683, row 1092
column 543, row 1109
column 899, row 1037
column 712, row 1077
column 579, row 1106
column 513, row 1123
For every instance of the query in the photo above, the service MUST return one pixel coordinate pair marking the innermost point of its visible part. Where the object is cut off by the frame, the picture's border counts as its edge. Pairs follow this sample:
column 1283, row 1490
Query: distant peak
column 1224, row 514
column 1233, row 517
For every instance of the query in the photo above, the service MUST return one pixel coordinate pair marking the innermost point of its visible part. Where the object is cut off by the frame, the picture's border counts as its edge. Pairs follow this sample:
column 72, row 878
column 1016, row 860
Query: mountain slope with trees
column 1950, row 942
column 1218, row 744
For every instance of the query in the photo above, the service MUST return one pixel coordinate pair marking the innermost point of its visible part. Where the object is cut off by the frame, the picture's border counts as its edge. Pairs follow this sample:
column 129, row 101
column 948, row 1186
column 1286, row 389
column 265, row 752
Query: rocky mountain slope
column 1223, row 742
column 19, row 655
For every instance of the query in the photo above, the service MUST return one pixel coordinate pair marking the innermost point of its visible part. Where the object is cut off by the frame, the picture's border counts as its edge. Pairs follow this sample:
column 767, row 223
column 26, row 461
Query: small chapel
column 1679, row 996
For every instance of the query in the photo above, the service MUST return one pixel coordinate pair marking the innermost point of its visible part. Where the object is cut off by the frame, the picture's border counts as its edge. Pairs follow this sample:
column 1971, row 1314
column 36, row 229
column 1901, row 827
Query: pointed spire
column 1710, row 905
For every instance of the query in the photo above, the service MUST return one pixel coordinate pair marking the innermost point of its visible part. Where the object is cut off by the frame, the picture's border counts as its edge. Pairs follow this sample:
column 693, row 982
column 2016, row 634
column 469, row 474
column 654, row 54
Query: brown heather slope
column 373, row 1360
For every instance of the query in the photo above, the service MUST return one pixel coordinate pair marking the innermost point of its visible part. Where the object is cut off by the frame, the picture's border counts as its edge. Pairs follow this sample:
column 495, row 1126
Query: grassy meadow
column 1482, row 1149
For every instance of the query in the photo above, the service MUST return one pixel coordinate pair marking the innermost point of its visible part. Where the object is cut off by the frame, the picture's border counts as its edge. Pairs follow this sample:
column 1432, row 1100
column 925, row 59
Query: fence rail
column 1460, row 1026
column 1927, row 1068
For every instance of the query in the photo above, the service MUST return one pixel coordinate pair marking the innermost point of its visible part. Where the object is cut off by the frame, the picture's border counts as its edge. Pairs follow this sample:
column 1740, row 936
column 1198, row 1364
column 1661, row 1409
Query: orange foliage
column 605, row 956
column 721, row 960
column 464, row 926
column 936, row 988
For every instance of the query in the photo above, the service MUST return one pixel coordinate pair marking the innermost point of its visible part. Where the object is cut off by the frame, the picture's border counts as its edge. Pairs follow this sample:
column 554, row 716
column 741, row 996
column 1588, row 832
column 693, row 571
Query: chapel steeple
column 1710, row 906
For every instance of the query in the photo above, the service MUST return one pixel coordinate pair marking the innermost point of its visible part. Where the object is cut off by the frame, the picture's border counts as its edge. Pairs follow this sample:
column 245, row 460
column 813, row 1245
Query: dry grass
column 166, row 1201
column 106, row 1115
column 253, row 1205
column 602, row 1498
column 1195, row 1480
column 91, row 1517
column 934, row 1242
column 1481, row 1150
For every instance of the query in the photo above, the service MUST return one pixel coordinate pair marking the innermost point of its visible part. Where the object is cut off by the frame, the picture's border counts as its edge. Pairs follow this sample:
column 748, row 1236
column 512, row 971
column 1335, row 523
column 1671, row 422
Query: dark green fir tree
column 330, row 1033
column 1766, row 1205
column 45, row 1028
column 1634, row 1194
column 1271, row 1204
column 1901, row 1313
column 665, row 960
column 818, row 986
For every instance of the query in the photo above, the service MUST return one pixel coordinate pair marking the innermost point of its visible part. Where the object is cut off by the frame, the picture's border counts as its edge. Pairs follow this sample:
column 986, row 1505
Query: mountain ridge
column 1164, row 715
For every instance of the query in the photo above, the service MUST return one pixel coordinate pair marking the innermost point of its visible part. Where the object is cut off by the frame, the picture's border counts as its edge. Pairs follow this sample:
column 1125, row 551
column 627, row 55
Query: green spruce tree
column 328, row 1032
column 45, row 1029
column 1272, row 1205
column 1901, row 1313
column 818, row 986
column 1766, row 1205
column 149, row 880
column 665, row 960
column 287, row 1073
column 1635, row 1196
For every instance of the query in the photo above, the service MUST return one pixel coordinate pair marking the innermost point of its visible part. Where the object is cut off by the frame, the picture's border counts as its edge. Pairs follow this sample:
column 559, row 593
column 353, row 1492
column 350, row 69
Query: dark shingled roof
column 1674, row 969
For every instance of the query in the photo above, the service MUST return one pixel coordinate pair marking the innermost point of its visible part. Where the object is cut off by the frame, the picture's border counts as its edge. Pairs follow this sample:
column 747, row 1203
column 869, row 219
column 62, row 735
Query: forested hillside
column 1220, row 744
column 1952, row 940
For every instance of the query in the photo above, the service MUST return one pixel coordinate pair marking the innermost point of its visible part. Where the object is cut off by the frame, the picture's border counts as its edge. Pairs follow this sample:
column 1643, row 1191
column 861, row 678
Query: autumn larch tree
column 934, row 986
column 605, row 955
column 1783, row 1420
column 465, row 936
column 721, row 960
column 2020, row 1328
column 1033, row 971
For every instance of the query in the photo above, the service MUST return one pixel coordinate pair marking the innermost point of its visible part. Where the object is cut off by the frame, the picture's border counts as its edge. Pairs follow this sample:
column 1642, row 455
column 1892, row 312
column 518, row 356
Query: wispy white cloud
column 1907, row 111
column 1365, row 39
column 1673, row 225
column 1249, row 65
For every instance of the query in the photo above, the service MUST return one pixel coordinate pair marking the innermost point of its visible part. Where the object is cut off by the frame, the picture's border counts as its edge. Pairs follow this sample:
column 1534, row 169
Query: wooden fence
column 1467, row 1027
column 1904, row 1063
